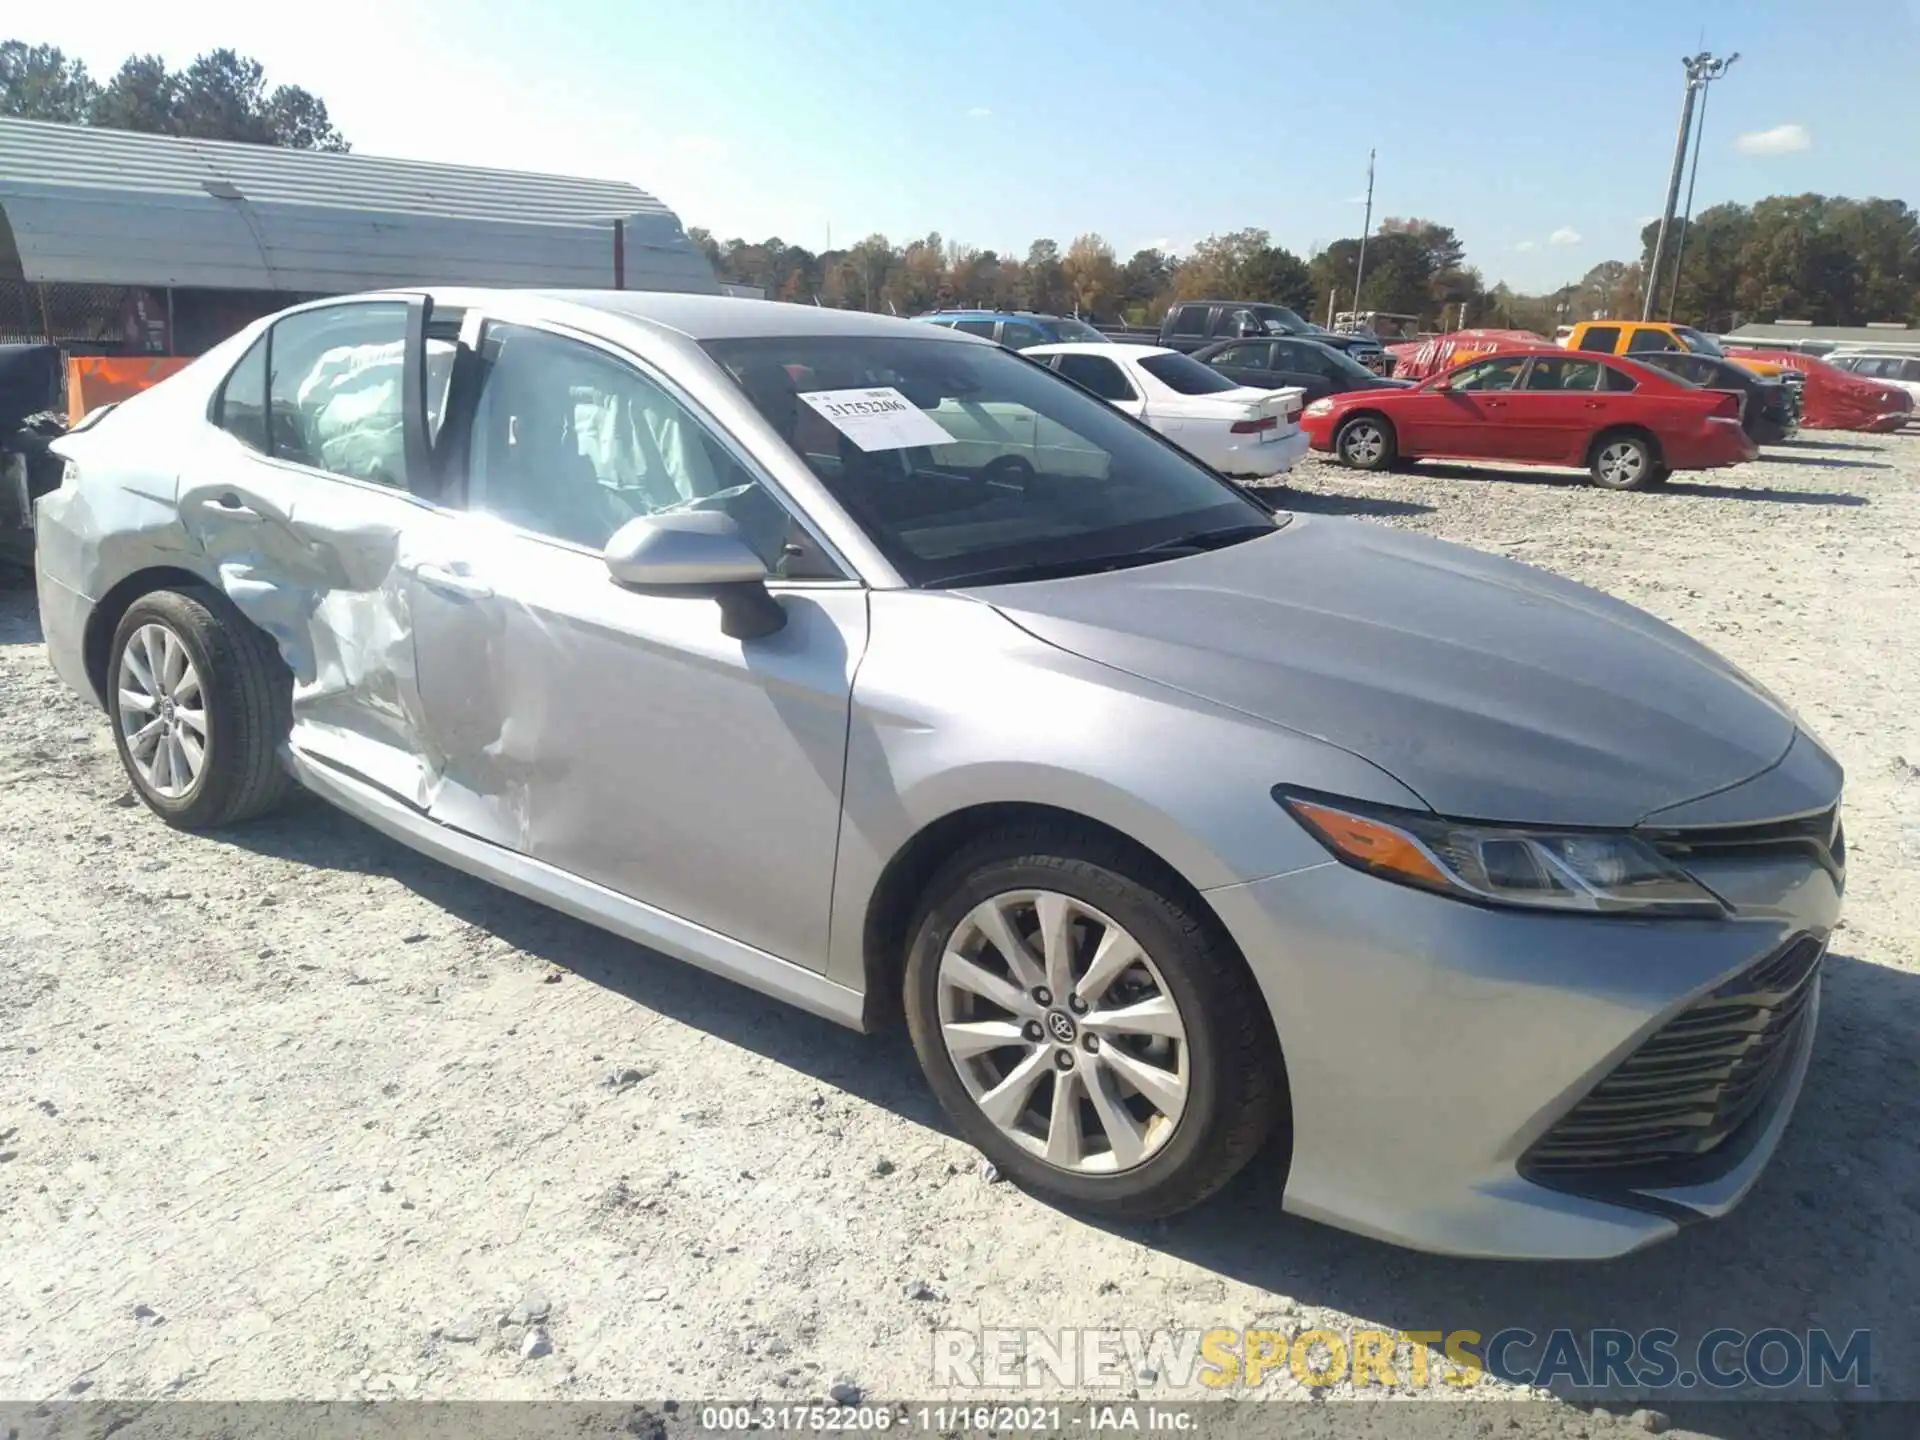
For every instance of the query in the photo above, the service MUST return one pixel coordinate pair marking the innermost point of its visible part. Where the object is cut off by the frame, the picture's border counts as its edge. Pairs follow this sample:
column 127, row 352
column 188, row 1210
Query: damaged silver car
column 885, row 671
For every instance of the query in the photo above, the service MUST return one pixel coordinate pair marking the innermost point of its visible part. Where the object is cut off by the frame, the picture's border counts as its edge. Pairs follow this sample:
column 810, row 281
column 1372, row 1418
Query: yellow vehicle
column 1638, row 337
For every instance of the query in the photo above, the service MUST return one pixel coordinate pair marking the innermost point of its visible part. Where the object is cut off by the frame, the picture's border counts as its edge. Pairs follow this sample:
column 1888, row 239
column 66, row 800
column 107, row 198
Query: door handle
column 1496, row 404
column 232, row 507
column 449, row 582
column 1595, row 405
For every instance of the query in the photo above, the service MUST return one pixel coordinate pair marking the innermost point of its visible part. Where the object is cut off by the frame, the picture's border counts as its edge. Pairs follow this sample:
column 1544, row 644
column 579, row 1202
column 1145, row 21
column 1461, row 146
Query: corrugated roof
column 114, row 207
column 1828, row 334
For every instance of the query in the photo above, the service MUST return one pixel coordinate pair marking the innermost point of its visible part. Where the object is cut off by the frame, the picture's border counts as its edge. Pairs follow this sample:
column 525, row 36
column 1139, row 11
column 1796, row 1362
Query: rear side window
column 1247, row 357
column 334, row 391
column 982, row 328
column 1097, row 374
column 1912, row 370
column 1603, row 338
column 1186, row 375
column 1190, row 320
column 1650, row 340
column 242, row 410
column 1568, row 374
column 1617, row 380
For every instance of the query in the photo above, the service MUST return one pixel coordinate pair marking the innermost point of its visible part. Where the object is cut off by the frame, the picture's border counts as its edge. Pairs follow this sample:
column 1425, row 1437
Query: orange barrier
column 96, row 380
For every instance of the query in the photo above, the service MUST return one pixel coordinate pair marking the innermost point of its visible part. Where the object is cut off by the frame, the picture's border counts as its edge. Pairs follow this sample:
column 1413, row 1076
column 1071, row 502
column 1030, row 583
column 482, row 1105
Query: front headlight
column 1320, row 407
column 1591, row 871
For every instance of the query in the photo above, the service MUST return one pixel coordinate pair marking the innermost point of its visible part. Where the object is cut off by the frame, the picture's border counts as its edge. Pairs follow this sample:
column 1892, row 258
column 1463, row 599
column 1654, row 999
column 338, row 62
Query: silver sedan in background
column 887, row 672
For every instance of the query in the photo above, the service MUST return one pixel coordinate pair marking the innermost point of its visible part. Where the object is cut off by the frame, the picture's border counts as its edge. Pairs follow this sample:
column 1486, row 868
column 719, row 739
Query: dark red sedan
column 1626, row 424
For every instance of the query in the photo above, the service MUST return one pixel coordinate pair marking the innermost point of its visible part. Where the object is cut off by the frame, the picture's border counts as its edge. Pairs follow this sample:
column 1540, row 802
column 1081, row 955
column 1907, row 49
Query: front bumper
column 1431, row 1044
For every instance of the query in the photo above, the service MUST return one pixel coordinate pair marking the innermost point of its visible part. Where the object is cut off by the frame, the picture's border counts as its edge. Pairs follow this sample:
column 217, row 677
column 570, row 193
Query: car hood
column 1491, row 689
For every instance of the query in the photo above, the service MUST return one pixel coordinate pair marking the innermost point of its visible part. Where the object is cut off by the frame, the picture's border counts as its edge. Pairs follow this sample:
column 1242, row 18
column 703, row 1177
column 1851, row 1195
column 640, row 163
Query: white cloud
column 1526, row 245
column 1565, row 235
column 979, row 112
column 1160, row 242
column 1781, row 140
column 1359, row 199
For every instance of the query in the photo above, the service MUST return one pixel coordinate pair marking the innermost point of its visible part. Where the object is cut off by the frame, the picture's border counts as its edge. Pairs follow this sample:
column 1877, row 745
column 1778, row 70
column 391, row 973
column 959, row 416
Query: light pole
column 1702, row 70
column 1360, row 265
column 1693, row 175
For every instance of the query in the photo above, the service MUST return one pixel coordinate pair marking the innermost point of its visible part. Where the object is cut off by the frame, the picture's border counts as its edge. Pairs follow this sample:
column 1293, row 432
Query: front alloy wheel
column 1088, row 1024
column 1365, row 444
column 1063, row 1031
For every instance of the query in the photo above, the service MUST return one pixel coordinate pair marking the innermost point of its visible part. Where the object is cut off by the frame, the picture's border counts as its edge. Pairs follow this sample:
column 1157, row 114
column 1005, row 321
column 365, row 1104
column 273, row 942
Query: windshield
column 1186, row 375
column 1344, row 363
column 1698, row 343
column 980, row 464
column 1077, row 331
column 1279, row 320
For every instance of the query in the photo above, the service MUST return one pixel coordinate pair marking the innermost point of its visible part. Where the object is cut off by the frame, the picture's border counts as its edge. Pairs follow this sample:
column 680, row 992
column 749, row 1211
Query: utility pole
column 1366, row 226
column 1702, row 70
column 1693, row 175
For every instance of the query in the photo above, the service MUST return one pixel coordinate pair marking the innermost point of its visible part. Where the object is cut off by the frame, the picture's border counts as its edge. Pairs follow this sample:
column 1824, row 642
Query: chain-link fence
column 84, row 319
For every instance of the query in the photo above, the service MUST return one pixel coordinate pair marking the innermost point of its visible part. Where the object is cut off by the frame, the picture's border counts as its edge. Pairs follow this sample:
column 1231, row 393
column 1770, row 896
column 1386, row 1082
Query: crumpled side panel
column 1417, row 359
column 322, row 573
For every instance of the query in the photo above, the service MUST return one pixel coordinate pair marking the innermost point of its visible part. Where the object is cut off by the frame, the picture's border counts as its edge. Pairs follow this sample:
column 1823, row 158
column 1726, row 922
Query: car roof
column 705, row 317
column 1106, row 349
column 990, row 315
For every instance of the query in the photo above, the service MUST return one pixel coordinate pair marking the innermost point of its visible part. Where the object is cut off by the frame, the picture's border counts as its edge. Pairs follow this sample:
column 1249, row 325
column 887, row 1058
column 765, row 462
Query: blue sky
column 1541, row 130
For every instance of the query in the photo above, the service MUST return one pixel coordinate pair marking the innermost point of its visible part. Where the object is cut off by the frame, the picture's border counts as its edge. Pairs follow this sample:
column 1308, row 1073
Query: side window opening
column 572, row 443
column 241, row 409
column 1605, row 339
column 335, row 394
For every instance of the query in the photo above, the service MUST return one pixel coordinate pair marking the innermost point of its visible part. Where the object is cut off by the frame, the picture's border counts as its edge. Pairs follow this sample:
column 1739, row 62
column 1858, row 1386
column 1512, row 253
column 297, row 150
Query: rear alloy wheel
column 1366, row 443
column 200, row 702
column 1624, row 462
column 1103, row 1044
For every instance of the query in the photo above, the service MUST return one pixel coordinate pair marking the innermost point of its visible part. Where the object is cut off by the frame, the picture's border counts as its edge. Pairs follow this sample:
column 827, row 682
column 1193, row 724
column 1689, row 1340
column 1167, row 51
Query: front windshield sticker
column 877, row 419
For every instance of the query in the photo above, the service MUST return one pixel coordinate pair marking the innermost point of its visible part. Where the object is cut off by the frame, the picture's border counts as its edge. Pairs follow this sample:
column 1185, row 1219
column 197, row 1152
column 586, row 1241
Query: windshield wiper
column 1216, row 539
column 1196, row 540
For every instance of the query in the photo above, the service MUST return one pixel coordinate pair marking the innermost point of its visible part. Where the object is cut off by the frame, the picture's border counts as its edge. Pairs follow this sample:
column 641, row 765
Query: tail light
column 1254, row 427
column 1728, row 406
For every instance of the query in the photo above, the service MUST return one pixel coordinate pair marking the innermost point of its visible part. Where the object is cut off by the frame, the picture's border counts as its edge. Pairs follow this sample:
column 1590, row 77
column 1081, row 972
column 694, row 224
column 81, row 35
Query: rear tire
column 1624, row 461
column 1366, row 442
column 1043, row 1083
column 199, row 701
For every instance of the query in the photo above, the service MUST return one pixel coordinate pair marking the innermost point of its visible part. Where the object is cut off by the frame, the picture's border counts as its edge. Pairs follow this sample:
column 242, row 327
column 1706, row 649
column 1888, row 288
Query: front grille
column 1820, row 838
column 1680, row 1096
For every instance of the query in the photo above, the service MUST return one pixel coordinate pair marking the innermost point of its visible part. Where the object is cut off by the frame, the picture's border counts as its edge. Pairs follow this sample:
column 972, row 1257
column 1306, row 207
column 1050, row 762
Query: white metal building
column 196, row 231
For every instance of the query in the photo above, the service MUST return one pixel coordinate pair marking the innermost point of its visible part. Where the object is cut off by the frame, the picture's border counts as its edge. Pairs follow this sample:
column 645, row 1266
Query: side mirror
column 697, row 552
column 1441, row 386
column 1246, row 330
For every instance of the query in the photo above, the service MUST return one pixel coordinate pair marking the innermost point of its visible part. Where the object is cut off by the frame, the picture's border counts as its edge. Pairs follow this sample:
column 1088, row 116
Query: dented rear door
column 313, row 508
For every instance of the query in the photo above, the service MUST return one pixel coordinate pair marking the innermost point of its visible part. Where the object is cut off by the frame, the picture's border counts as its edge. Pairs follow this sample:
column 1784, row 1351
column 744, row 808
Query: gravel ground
column 290, row 1112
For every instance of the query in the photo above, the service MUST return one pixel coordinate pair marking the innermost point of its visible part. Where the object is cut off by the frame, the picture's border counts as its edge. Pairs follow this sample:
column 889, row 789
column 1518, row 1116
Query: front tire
column 1086, row 1027
column 1366, row 442
column 199, row 702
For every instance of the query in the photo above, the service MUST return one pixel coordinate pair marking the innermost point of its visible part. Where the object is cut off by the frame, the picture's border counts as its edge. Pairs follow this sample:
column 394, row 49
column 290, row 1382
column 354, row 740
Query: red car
column 1627, row 424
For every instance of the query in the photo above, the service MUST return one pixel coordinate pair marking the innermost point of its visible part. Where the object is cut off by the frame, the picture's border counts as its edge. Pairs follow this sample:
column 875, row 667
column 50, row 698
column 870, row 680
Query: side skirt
column 582, row 899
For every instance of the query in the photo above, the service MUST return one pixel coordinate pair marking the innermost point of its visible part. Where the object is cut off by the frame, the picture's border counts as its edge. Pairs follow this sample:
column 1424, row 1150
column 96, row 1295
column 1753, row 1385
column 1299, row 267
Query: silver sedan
column 887, row 672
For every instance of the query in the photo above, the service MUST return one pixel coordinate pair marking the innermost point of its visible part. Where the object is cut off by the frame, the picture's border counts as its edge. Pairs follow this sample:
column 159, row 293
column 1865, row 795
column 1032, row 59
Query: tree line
column 222, row 95
column 1826, row 259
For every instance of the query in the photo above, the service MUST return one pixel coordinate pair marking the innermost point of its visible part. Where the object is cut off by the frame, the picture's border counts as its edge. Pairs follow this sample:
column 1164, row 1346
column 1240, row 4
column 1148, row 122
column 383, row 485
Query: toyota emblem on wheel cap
column 1061, row 1026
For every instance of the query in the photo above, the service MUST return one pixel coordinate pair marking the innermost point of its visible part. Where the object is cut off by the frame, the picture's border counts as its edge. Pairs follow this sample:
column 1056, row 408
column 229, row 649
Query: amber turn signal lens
column 1370, row 842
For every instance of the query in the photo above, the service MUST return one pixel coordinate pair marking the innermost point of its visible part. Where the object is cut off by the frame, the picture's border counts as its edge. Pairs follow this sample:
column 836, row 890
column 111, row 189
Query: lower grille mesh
column 1695, row 1081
